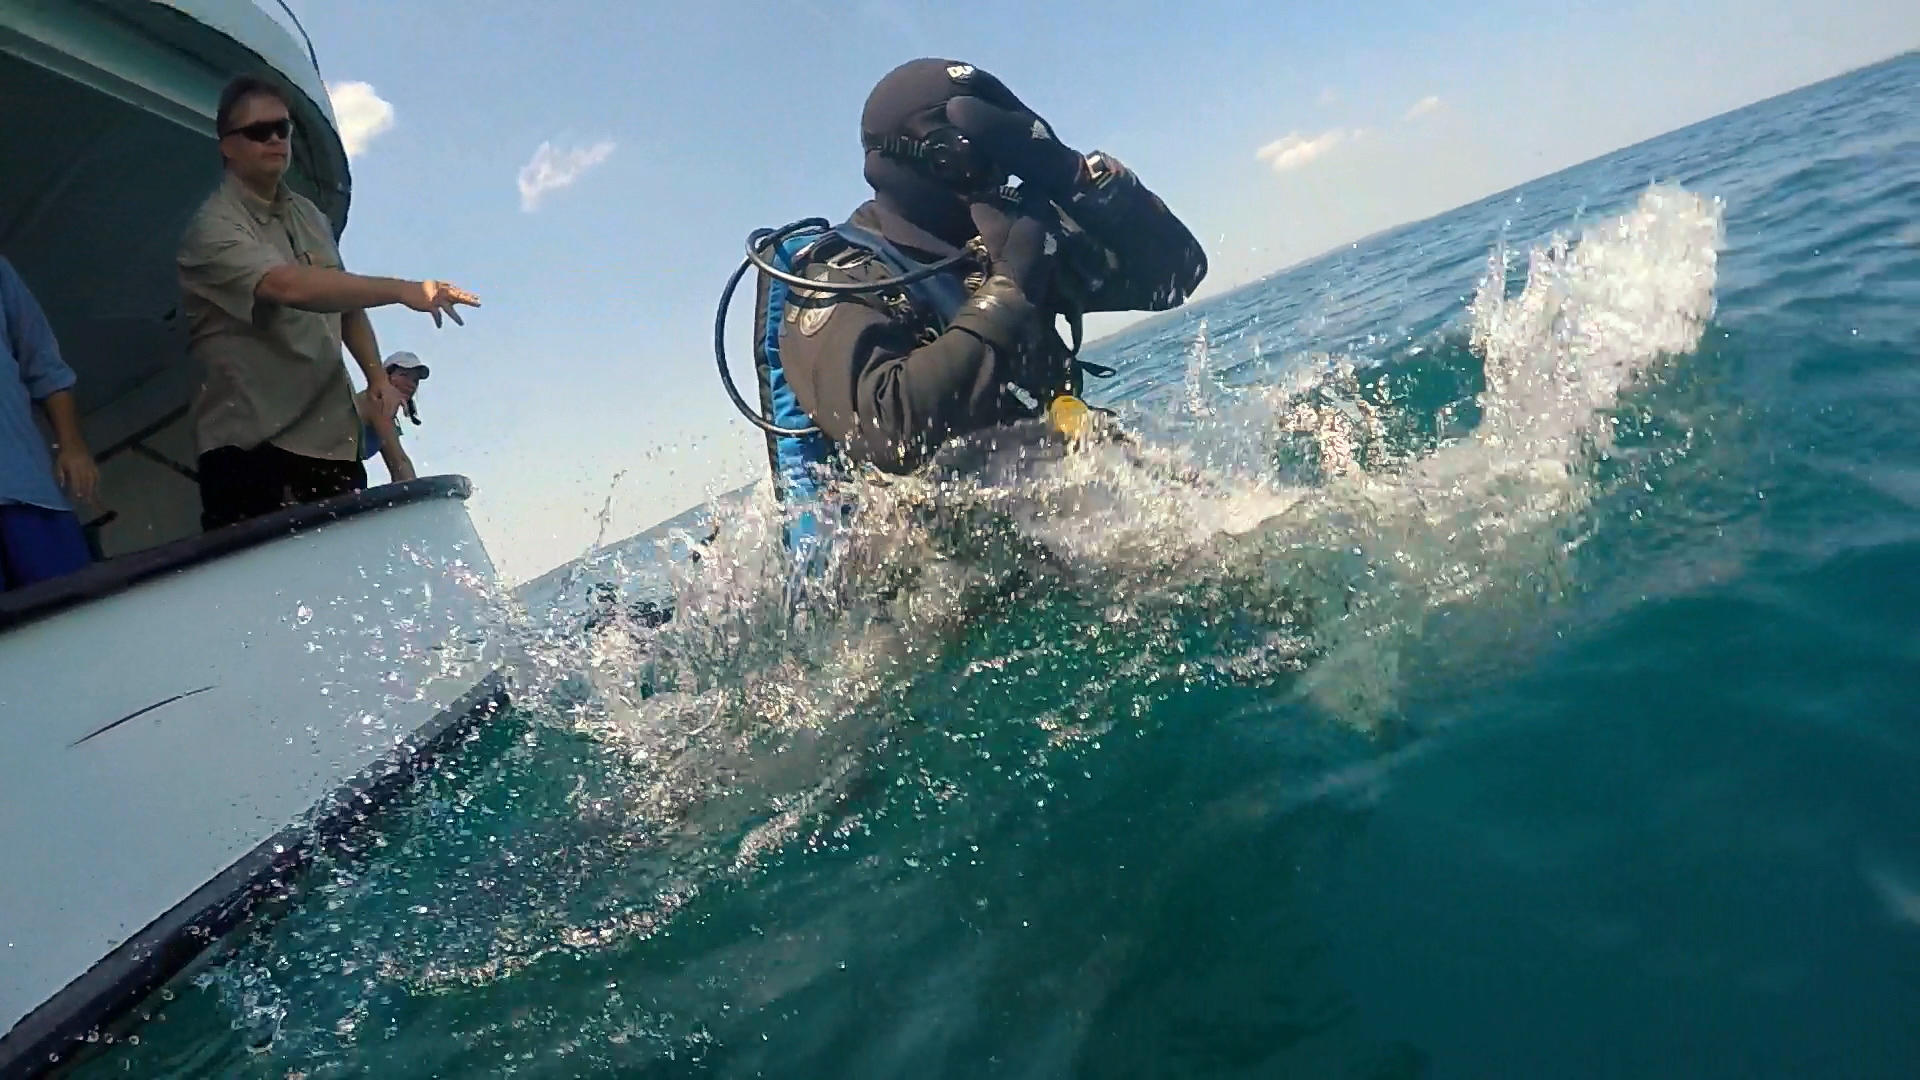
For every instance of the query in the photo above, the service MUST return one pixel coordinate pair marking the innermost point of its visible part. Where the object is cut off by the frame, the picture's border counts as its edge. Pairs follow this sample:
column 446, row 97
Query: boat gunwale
column 110, row 577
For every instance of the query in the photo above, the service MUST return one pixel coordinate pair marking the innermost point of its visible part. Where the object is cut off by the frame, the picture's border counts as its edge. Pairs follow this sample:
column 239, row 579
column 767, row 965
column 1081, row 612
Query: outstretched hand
column 439, row 298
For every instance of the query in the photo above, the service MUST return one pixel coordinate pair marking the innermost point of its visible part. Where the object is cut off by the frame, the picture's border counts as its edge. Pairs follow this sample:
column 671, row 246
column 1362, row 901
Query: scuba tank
column 801, row 458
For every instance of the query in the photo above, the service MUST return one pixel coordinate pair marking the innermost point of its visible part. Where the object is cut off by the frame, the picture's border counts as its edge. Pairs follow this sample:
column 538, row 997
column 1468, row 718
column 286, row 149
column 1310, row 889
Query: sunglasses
column 265, row 130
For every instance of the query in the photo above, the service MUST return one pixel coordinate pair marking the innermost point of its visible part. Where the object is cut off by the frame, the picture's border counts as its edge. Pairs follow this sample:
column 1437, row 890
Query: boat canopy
column 107, row 111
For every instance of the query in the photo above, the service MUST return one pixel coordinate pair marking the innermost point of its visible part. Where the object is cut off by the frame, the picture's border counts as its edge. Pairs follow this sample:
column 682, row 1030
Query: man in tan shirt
column 268, row 308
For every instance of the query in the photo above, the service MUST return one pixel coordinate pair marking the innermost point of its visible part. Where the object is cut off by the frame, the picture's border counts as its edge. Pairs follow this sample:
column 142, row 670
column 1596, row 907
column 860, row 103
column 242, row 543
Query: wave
column 1307, row 537
column 1352, row 529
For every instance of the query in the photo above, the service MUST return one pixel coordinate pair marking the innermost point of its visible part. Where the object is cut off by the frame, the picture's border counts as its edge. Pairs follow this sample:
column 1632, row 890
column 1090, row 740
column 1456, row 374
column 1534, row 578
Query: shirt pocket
column 311, row 248
column 325, row 257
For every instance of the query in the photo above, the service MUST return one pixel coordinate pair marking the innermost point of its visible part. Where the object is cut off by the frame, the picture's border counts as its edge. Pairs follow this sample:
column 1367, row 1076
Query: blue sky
column 1277, row 129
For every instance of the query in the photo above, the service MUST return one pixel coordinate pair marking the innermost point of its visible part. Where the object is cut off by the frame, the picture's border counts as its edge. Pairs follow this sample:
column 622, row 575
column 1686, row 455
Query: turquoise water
column 1492, row 658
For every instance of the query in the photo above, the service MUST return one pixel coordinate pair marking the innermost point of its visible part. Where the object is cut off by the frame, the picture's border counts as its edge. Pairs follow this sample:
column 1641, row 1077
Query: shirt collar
column 262, row 210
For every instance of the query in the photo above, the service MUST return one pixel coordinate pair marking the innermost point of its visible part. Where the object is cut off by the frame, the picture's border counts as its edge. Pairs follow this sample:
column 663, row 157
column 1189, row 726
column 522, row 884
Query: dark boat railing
column 311, row 54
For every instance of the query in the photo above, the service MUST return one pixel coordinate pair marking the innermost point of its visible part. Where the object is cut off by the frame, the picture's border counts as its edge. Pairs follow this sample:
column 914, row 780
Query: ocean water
column 1496, row 653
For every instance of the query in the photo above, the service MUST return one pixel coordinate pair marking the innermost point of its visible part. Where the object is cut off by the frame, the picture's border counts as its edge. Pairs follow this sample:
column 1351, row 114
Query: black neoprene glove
column 1020, row 245
column 1022, row 144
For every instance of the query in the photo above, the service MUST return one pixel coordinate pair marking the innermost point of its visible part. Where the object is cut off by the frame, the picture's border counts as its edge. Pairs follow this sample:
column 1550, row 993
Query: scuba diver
column 932, row 313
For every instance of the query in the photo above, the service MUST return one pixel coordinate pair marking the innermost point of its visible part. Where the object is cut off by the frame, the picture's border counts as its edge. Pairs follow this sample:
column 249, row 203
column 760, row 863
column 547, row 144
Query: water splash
column 1199, row 374
column 1590, row 319
column 1350, row 527
column 1323, row 570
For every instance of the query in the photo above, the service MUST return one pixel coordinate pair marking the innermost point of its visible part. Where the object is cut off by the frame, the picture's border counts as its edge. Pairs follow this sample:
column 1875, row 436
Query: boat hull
column 172, row 744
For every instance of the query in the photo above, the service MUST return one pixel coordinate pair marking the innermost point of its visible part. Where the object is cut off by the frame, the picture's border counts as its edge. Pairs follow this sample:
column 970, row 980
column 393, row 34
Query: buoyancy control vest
column 802, row 459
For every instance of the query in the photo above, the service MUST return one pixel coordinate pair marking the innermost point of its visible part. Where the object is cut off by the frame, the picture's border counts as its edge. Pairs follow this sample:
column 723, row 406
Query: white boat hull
column 189, row 726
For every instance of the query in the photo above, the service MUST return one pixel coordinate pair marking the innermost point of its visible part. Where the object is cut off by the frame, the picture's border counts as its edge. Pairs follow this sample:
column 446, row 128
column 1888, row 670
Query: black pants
column 238, row 484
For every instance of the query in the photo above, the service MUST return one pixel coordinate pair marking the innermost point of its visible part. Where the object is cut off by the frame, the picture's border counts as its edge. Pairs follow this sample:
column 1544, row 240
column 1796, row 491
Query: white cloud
column 1422, row 107
column 361, row 113
column 551, row 170
column 1329, row 96
column 1295, row 150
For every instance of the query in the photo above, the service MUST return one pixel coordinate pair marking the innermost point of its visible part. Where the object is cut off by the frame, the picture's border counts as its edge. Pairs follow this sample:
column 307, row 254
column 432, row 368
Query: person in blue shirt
column 40, row 537
column 380, row 427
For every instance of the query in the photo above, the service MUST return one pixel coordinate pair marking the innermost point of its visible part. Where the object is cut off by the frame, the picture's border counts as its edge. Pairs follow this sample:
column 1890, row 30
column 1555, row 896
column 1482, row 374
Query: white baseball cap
column 407, row 362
